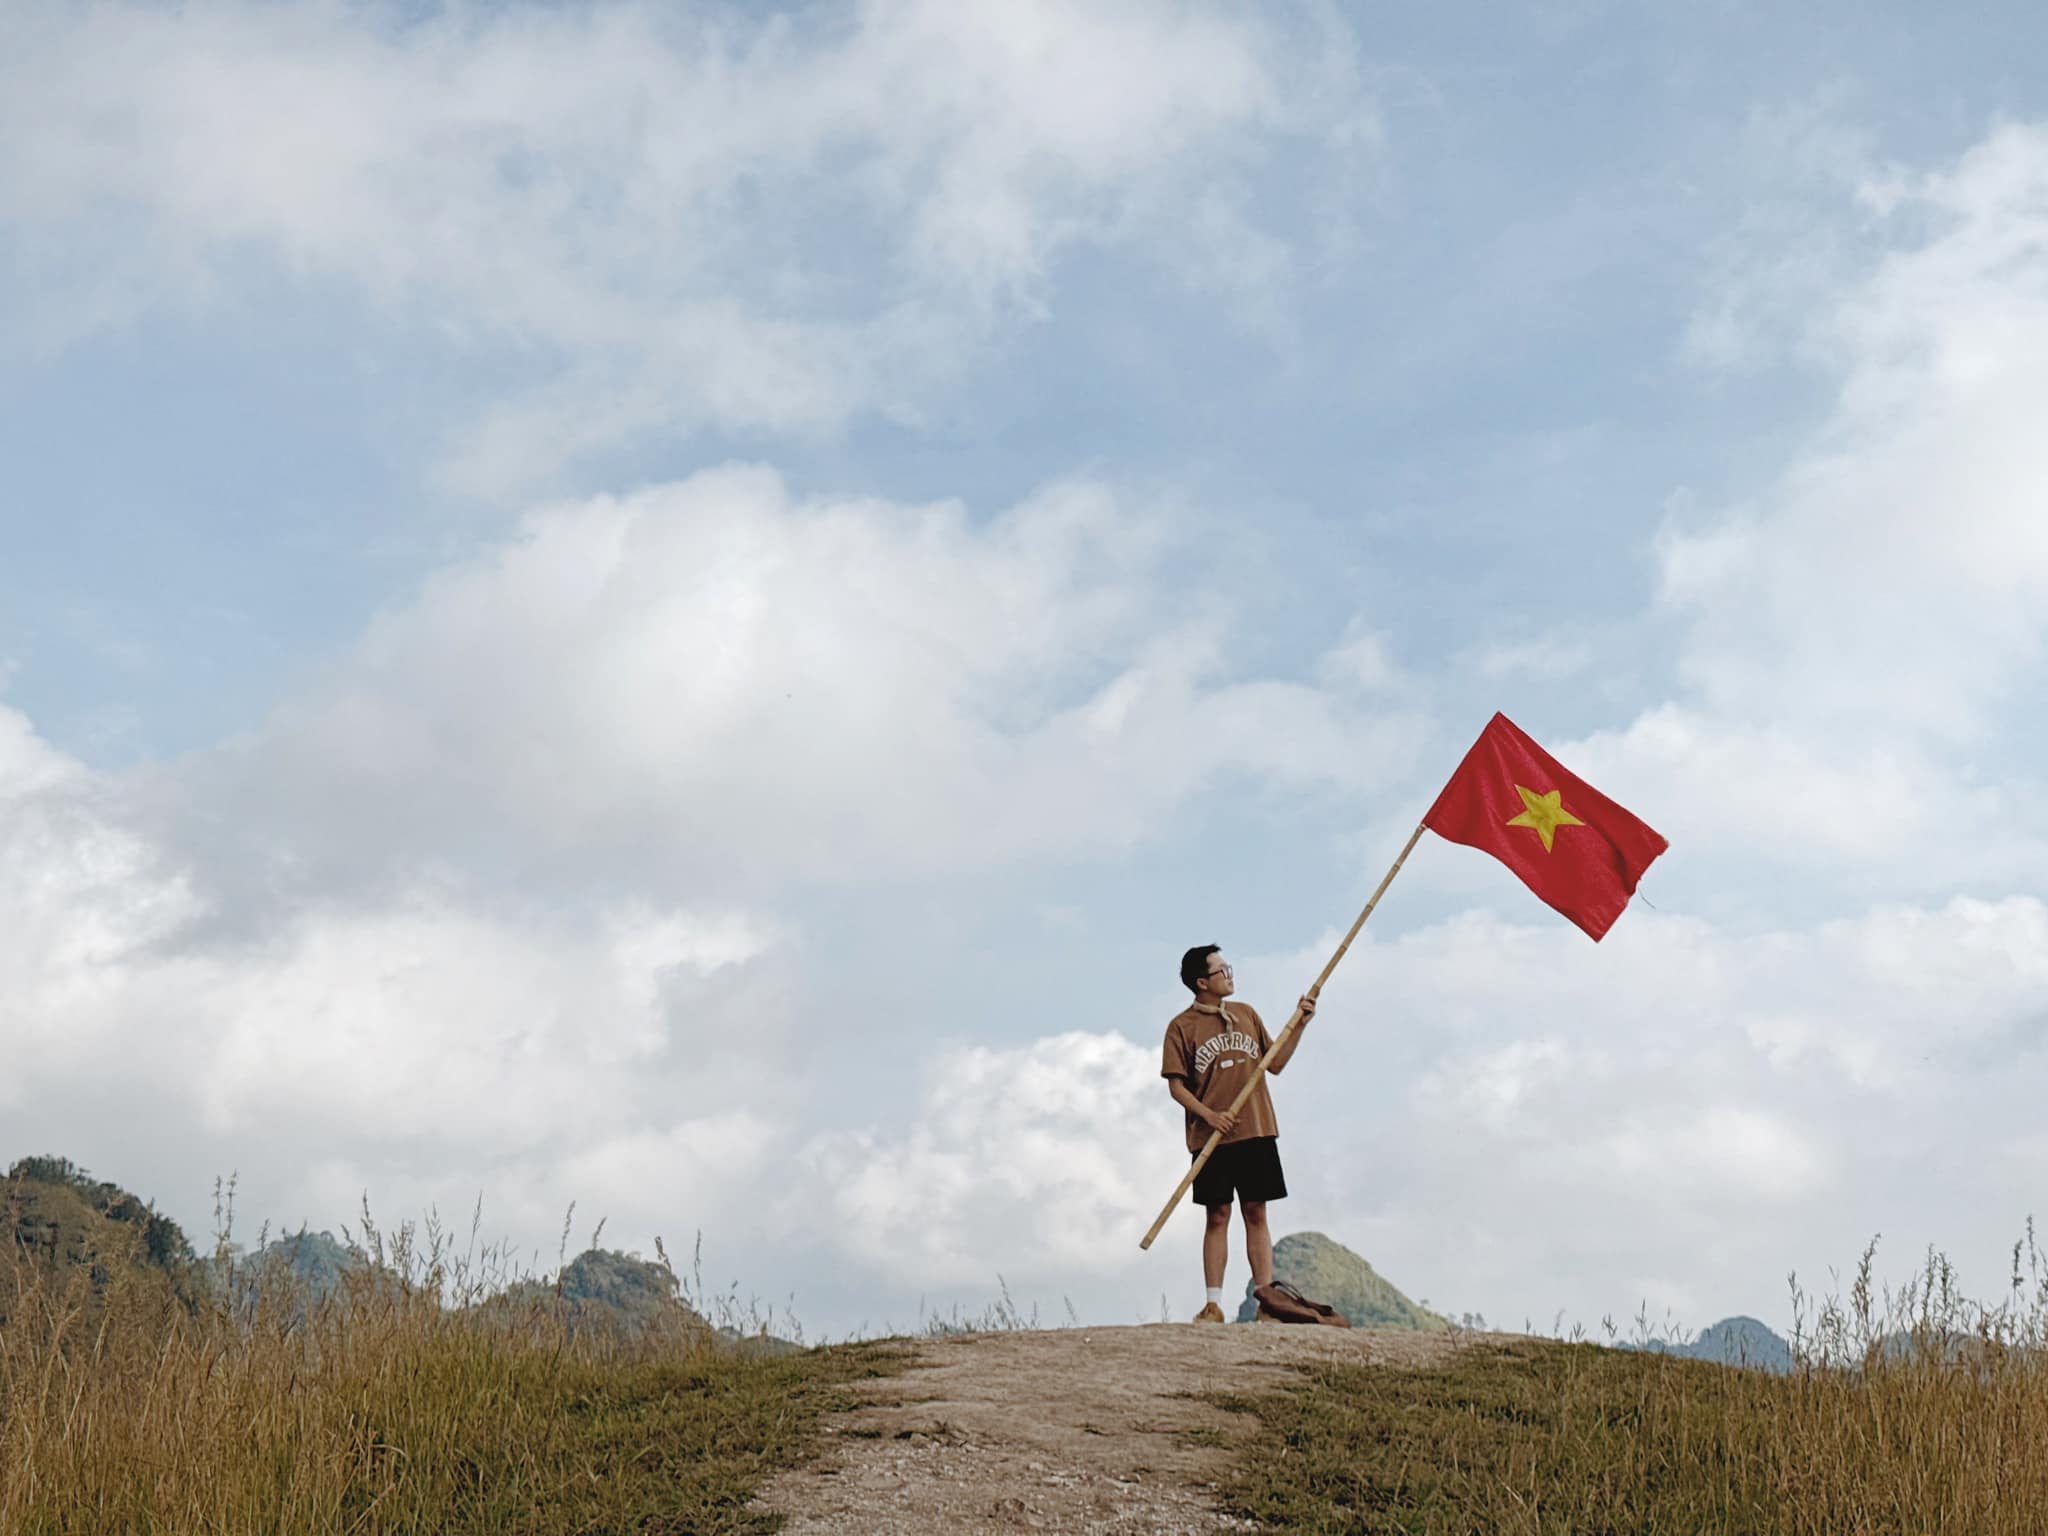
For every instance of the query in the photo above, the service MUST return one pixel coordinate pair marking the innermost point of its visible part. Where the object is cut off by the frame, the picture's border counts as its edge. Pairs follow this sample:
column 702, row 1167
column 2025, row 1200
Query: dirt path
column 1079, row 1430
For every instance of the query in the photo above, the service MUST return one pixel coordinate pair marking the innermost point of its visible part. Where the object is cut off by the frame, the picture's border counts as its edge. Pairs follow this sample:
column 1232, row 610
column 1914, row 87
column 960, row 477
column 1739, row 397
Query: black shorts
column 1250, row 1167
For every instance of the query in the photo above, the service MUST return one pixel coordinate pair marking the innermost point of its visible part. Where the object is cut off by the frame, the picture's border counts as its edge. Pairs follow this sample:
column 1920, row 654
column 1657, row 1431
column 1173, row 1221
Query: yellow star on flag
column 1543, row 813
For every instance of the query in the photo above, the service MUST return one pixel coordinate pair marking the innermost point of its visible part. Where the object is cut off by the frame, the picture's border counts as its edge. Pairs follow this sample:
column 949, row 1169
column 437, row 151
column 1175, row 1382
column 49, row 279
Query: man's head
column 1204, row 972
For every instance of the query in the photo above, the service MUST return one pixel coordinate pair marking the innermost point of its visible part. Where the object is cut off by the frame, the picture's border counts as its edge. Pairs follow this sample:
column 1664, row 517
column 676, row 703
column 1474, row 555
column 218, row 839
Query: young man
column 1212, row 1047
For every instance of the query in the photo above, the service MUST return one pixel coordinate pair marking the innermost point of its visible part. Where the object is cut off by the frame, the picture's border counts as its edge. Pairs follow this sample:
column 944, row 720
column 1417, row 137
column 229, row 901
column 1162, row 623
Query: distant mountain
column 1327, row 1271
column 1732, row 1341
column 628, row 1297
column 70, row 1227
column 306, row 1268
column 61, row 1228
column 313, row 1260
column 606, row 1292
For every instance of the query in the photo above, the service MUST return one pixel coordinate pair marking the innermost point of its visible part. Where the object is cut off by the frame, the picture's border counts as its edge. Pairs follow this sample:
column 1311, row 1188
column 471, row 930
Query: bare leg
column 1258, row 1241
column 1216, row 1246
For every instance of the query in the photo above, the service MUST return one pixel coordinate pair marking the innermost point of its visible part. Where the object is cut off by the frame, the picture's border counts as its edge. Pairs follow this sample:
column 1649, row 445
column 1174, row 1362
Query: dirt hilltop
column 1078, row 1430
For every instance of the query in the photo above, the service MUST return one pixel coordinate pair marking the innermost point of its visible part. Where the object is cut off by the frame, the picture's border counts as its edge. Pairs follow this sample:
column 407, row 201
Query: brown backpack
column 1282, row 1303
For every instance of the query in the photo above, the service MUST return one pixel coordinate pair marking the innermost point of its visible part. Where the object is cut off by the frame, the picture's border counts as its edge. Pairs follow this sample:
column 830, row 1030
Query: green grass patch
column 1542, row 1437
column 683, row 1448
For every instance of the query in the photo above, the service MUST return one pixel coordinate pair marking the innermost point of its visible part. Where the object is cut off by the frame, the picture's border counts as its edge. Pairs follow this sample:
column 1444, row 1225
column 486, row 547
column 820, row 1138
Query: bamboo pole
column 1259, row 1072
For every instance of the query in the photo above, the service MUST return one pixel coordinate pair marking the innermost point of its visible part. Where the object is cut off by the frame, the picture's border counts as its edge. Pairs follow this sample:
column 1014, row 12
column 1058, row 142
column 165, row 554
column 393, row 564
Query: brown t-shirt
column 1214, row 1054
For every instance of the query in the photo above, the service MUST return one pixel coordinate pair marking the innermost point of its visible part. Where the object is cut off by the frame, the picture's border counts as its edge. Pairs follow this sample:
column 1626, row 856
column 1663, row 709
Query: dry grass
column 1909, row 1411
column 408, row 1403
column 396, row 1405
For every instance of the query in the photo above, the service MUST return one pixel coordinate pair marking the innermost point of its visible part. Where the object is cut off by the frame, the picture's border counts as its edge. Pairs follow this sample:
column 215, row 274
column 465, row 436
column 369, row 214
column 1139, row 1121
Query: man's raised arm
column 1285, row 1054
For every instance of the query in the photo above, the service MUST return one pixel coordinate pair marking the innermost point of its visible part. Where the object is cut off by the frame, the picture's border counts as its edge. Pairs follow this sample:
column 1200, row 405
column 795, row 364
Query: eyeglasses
column 1223, row 970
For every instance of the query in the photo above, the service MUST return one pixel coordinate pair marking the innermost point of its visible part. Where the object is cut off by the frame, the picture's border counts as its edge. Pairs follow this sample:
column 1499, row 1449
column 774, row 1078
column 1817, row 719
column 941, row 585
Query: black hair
column 1194, row 965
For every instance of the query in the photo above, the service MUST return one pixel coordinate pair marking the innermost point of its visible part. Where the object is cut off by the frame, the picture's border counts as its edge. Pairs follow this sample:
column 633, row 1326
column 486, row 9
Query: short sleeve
column 1174, row 1059
column 1265, row 1040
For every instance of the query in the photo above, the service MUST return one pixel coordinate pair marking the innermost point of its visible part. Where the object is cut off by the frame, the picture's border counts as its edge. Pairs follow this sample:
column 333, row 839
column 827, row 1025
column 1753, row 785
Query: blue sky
column 686, row 609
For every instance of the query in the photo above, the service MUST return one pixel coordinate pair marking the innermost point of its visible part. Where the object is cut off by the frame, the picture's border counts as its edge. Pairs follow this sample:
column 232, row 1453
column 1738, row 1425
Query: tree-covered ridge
column 58, row 1223
column 162, row 1241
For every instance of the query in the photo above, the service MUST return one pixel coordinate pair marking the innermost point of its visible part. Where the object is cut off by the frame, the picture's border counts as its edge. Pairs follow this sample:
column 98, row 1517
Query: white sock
column 1216, row 1294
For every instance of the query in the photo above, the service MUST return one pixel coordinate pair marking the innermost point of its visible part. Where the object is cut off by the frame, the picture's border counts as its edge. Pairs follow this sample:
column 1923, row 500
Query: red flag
column 1572, row 846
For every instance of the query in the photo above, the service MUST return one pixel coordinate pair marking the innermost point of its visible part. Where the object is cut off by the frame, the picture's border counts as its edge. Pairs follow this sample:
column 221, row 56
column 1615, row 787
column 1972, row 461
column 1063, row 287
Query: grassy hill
column 1327, row 1271
column 66, row 1234
column 140, row 1389
column 124, row 1406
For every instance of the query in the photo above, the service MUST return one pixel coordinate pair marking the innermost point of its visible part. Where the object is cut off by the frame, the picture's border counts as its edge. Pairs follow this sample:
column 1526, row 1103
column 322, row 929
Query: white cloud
column 1362, row 661
column 1511, row 1118
column 1692, row 1107
column 434, row 1046
column 84, row 895
column 419, row 934
column 1859, row 642
column 28, row 764
column 1565, row 1112
column 1895, row 575
column 1502, row 1115
column 713, row 682
column 427, row 1019
column 436, row 1043
column 1043, row 1162
column 659, row 218
column 1779, row 265
column 1718, row 1151
column 1802, row 794
column 1550, row 658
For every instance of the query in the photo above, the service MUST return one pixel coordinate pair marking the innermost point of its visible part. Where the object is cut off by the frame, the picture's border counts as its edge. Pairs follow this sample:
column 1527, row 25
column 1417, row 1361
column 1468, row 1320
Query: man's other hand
column 1308, row 1008
column 1222, row 1120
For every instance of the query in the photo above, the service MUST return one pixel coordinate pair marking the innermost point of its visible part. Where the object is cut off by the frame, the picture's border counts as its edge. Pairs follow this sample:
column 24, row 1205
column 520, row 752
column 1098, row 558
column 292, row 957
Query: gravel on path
column 1087, row 1430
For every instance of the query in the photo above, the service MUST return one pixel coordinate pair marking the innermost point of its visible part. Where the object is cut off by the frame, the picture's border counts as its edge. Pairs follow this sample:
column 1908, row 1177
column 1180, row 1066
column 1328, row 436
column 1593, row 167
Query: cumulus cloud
column 656, row 218
column 1738, row 1094
column 718, row 685
column 510, row 901
column 443, row 1024
column 433, row 1016
column 1681, row 1114
column 1504, row 1116
column 428, row 1020
column 1045, row 1162
column 1503, row 1111
column 1896, row 571
column 1803, row 796
column 84, row 895
column 439, row 1043
column 1859, row 642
